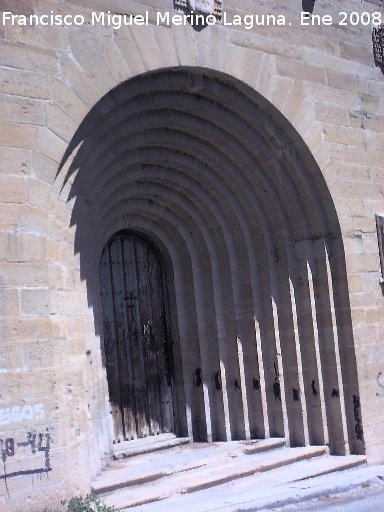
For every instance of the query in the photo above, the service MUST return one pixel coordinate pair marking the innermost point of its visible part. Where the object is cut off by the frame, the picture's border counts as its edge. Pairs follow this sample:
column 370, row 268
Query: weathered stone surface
column 31, row 59
column 225, row 187
column 294, row 69
column 34, row 302
column 24, row 83
column 51, row 38
column 21, row 110
column 18, row 135
column 12, row 189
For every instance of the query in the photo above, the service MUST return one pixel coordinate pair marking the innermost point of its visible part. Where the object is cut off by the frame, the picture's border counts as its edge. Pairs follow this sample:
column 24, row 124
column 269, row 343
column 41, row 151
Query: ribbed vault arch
column 227, row 189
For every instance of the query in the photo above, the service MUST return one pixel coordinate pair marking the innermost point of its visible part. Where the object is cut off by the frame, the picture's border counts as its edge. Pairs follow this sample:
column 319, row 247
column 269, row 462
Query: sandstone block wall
column 53, row 390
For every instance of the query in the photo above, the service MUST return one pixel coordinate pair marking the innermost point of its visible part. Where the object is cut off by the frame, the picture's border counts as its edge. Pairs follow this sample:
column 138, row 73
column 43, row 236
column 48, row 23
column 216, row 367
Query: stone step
column 147, row 445
column 150, row 466
column 242, row 467
column 326, row 465
column 284, row 485
column 253, row 447
column 216, row 473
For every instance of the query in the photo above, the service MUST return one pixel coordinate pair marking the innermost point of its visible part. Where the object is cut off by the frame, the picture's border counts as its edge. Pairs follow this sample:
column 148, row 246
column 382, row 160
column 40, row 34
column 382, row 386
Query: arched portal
column 213, row 172
column 137, row 341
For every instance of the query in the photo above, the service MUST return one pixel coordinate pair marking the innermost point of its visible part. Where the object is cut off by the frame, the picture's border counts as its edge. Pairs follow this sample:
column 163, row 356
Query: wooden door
column 137, row 344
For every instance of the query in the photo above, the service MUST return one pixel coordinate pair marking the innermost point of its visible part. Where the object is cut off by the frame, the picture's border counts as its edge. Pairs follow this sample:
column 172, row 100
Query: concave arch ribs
column 224, row 185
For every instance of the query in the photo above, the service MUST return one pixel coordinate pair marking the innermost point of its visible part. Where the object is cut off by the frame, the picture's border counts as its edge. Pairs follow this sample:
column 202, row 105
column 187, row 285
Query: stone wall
column 53, row 392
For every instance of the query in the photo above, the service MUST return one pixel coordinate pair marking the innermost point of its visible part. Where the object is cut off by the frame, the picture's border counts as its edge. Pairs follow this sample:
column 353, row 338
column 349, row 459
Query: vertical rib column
column 279, row 382
column 197, row 401
column 257, row 351
column 327, row 348
column 302, row 393
column 306, row 348
column 226, row 331
column 283, row 315
column 245, row 354
column 317, row 384
column 347, row 352
column 337, row 353
column 269, row 342
column 217, row 410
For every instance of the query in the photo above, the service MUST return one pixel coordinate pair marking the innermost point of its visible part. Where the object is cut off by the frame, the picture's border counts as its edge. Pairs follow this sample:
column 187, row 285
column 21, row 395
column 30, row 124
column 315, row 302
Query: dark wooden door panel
column 136, row 339
column 110, row 345
column 159, row 342
column 149, row 338
column 122, row 327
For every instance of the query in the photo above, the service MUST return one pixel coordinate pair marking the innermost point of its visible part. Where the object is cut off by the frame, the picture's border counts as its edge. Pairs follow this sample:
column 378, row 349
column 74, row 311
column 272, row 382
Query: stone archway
column 217, row 176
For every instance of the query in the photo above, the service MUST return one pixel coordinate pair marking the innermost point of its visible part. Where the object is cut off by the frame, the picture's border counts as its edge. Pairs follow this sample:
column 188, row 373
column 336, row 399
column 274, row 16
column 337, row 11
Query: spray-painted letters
column 18, row 413
column 27, row 456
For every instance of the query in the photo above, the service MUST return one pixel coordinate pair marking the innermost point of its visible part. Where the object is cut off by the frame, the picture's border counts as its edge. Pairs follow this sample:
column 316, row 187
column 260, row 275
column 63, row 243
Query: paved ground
column 237, row 477
column 365, row 499
column 355, row 490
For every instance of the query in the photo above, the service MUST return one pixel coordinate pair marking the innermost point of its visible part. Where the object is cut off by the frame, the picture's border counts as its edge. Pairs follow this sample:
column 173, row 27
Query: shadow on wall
column 224, row 186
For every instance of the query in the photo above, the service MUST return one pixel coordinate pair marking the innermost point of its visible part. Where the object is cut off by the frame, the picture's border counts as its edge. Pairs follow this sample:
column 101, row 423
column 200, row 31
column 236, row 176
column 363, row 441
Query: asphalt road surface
column 369, row 500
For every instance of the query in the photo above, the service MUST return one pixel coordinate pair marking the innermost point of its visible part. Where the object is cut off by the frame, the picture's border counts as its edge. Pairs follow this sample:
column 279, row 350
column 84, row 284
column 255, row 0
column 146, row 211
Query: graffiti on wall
column 18, row 413
column 380, row 384
column 357, row 415
column 378, row 46
column 25, row 456
column 276, row 385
